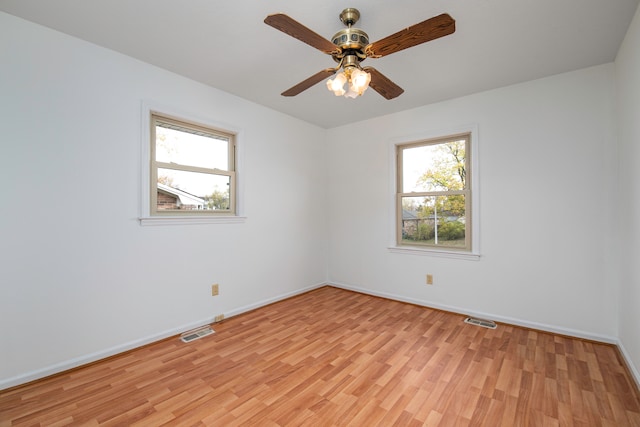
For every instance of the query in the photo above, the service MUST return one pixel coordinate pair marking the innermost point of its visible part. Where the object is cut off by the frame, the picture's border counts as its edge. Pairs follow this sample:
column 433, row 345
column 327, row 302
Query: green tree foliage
column 449, row 170
column 218, row 200
column 425, row 232
column 452, row 230
column 447, row 173
column 454, row 204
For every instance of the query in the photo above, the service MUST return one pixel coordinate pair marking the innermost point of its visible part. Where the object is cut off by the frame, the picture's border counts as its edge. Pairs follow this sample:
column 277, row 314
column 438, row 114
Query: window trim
column 434, row 135
column 156, row 165
column 147, row 216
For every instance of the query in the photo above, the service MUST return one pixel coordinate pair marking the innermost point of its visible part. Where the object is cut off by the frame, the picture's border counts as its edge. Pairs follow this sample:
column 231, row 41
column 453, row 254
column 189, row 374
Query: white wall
column 81, row 278
column 628, row 113
column 547, row 170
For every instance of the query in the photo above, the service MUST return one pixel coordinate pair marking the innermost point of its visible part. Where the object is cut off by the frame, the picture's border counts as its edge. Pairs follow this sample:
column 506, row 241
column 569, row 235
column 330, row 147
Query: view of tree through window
column 193, row 168
column 434, row 193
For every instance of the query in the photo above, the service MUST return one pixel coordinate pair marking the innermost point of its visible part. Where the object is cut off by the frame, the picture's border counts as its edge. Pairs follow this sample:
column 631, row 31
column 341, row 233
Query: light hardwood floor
column 332, row 357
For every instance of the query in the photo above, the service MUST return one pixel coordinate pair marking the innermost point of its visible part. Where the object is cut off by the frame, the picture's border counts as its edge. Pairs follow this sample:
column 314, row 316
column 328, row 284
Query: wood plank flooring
column 332, row 357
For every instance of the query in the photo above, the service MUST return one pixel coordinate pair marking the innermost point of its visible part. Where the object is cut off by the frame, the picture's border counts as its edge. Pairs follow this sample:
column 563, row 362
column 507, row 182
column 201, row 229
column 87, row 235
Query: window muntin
column 192, row 169
column 433, row 199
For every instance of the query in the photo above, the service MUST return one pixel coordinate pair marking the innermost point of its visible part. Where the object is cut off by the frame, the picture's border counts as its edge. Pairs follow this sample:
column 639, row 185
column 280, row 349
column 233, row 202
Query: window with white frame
column 433, row 196
column 192, row 169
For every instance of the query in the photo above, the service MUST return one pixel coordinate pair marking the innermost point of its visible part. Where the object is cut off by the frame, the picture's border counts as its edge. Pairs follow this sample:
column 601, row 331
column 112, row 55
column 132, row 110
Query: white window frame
column 439, row 134
column 147, row 214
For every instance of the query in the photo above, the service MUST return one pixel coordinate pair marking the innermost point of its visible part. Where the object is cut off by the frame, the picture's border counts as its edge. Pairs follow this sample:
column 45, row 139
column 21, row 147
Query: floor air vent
column 196, row 334
column 481, row 322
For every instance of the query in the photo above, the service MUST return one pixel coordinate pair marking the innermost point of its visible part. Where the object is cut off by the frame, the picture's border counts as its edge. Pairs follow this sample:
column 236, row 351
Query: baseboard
column 94, row 357
column 630, row 366
column 497, row 318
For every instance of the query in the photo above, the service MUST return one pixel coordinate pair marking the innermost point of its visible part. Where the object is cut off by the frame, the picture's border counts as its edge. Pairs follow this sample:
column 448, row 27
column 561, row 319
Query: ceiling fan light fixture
column 337, row 85
column 359, row 81
column 351, row 93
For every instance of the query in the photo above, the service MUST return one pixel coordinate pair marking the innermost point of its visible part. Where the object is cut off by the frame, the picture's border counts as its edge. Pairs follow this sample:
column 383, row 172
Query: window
column 192, row 169
column 433, row 196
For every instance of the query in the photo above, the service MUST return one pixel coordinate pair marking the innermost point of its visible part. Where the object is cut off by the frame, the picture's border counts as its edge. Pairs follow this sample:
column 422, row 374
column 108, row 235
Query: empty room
column 279, row 213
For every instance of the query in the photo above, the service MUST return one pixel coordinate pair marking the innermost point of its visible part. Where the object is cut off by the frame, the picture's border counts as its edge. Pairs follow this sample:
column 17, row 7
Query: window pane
column 192, row 191
column 434, row 167
column 185, row 147
column 434, row 220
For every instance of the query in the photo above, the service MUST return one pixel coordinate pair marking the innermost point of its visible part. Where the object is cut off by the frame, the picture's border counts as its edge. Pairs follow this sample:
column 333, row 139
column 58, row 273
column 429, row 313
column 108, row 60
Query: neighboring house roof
column 185, row 198
column 409, row 214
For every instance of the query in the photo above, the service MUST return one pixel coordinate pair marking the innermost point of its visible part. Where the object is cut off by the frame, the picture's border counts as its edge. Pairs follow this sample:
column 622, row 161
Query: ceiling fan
column 350, row 46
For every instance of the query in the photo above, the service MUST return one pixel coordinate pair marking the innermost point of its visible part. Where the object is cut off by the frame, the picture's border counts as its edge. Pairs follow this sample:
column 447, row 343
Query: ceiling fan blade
column 431, row 29
column 289, row 26
column 381, row 84
column 306, row 84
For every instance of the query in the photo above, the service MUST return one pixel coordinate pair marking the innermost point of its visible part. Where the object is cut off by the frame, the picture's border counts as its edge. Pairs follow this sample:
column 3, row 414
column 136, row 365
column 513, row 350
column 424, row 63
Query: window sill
column 407, row 250
column 181, row 220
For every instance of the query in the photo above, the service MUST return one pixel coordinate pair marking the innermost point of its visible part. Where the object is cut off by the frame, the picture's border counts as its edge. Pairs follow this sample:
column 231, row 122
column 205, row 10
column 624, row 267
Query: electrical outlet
column 215, row 290
column 219, row 318
column 429, row 279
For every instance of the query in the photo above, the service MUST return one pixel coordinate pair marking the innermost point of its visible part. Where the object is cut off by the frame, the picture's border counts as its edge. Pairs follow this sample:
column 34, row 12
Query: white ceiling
column 226, row 44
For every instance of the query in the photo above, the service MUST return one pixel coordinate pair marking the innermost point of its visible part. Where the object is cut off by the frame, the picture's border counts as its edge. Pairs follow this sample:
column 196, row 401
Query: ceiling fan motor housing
column 352, row 42
column 351, row 38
